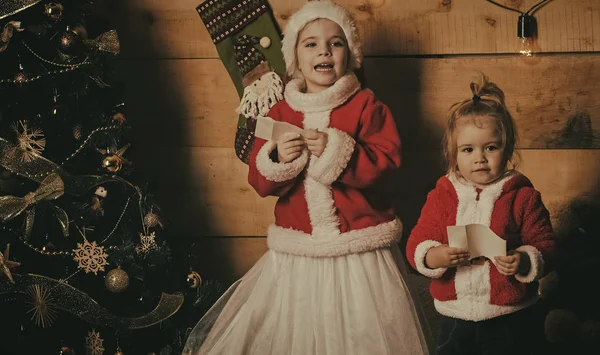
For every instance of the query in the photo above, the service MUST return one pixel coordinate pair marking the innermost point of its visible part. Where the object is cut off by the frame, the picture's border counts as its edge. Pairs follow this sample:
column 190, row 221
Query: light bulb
column 525, row 30
column 525, row 47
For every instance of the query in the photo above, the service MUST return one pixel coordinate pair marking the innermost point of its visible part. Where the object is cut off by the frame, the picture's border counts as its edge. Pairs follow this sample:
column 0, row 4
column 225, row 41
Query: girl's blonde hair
column 487, row 101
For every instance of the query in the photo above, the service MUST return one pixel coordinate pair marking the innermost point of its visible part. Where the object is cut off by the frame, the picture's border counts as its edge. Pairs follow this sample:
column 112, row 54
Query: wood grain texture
column 554, row 100
column 204, row 191
column 173, row 29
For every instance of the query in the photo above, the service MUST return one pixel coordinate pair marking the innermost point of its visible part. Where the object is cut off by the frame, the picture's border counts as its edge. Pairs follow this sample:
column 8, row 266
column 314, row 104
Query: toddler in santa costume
column 329, row 284
column 487, row 308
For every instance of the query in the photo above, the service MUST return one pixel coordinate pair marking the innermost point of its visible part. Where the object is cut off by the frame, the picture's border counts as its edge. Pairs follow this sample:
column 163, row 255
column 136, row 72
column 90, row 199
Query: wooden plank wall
column 420, row 55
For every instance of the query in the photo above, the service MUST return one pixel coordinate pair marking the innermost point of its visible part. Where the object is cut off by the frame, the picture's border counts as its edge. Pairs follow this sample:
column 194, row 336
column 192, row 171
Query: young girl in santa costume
column 329, row 284
column 487, row 308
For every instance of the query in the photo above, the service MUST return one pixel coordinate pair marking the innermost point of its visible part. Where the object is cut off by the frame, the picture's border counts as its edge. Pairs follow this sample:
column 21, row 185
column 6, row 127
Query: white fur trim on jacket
column 321, row 209
column 473, row 210
column 329, row 166
column 290, row 241
column 537, row 264
column 420, row 253
column 278, row 172
column 326, row 100
column 310, row 12
column 472, row 310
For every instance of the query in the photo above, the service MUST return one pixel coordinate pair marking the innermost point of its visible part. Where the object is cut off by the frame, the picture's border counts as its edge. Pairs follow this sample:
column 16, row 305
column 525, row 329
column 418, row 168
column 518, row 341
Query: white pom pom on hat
column 314, row 10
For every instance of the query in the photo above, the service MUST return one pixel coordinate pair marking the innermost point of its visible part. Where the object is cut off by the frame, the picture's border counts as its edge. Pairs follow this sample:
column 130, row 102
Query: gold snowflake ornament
column 43, row 306
column 90, row 257
column 147, row 244
column 93, row 343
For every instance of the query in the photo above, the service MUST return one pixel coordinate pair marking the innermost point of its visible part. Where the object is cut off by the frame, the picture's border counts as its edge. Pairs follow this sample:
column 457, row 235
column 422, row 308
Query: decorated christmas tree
column 86, row 264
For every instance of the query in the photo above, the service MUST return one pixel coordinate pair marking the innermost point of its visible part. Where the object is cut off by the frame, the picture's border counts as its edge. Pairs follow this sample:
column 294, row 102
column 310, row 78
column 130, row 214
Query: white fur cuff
column 329, row 166
column 279, row 172
column 537, row 264
column 420, row 253
column 291, row 241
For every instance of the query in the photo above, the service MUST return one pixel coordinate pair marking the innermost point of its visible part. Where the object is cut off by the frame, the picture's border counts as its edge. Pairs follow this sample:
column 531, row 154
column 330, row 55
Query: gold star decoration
column 43, row 306
column 31, row 140
column 6, row 265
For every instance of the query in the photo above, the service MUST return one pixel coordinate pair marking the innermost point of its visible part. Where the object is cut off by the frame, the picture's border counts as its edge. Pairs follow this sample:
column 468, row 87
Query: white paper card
column 480, row 240
column 271, row 130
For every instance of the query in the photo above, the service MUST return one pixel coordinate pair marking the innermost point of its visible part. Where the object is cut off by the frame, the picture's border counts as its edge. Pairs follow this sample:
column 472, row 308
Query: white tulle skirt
column 357, row 304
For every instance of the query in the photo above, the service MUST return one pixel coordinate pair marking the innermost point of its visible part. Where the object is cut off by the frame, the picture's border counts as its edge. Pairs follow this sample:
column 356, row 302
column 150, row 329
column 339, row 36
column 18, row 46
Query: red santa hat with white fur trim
column 314, row 10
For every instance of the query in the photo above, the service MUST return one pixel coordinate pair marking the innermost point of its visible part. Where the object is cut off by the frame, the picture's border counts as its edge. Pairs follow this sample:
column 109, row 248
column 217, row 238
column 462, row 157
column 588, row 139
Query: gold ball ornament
column 112, row 163
column 194, row 280
column 151, row 220
column 54, row 10
column 116, row 280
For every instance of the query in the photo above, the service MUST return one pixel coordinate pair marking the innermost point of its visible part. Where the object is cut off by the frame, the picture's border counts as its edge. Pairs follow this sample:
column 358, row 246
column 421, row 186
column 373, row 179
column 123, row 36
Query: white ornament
column 265, row 42
column 101, row 191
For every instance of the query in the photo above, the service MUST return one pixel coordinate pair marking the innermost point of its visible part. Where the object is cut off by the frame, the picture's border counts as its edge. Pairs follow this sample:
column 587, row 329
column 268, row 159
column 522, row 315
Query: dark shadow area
column 573, row 314
column 158, row 116
column 396, row 82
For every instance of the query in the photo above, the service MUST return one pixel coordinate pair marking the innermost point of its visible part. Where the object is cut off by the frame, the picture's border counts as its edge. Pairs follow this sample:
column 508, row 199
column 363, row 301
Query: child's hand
column 289, row 147
column 445, row 256
column 513, row 263
column 316, row 141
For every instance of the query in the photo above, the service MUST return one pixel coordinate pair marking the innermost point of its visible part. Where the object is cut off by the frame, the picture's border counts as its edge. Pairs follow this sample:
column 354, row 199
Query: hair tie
column 476, row 98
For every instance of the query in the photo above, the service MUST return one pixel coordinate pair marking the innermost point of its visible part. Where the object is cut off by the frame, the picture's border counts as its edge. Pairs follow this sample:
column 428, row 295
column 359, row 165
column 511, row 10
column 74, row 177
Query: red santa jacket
column 326, row 206
column 513, row 209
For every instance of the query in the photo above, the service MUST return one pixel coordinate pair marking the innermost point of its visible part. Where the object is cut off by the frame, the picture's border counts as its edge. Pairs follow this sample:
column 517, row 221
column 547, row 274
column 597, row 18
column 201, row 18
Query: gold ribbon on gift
column 106, row 42
column 11, row 7
column 7, row 33
column 50, row 188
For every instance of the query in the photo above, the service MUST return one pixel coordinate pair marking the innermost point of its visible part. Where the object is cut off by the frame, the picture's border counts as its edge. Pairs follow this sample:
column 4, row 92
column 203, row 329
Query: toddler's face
column 480, row 152
column 322, row 53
